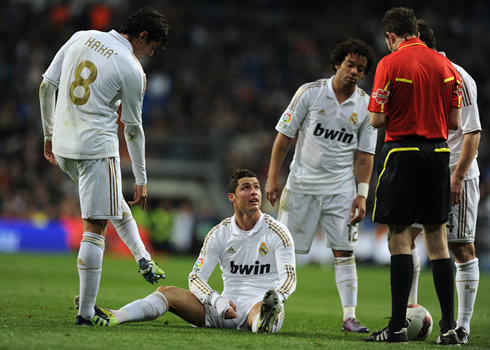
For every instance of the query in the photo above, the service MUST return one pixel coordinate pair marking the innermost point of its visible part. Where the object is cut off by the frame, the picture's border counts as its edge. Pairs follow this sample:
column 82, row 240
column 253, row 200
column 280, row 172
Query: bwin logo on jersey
column 340, row 136
column 245, row 269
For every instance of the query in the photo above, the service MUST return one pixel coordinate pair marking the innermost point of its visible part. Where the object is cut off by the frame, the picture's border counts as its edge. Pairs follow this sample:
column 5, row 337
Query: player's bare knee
column 463, row 252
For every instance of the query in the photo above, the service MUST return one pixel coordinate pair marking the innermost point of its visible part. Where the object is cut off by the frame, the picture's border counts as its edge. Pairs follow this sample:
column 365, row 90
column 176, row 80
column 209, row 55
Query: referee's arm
column 377, row 120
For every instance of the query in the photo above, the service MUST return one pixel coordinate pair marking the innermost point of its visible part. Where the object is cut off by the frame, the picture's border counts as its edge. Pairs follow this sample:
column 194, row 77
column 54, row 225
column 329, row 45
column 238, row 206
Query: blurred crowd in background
column 213, row 98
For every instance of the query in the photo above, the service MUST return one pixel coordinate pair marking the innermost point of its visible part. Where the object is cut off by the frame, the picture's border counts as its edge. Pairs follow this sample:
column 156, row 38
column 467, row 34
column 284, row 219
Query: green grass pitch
column 36, row 310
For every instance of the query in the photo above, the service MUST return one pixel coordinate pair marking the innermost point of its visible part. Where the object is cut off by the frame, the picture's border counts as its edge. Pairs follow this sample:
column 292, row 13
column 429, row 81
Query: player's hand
column 272, row 190
column 140, row 196
column 358, row 211
column 456, row 189
column 48, row 152
column 231, row 311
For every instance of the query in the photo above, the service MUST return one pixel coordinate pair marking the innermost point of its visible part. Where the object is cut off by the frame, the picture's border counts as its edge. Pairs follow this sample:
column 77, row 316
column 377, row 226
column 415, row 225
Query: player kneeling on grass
column 256, row 256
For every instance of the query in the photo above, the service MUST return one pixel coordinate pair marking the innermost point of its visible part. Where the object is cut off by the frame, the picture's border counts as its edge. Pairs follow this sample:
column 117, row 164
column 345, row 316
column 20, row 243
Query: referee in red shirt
column 417, row 97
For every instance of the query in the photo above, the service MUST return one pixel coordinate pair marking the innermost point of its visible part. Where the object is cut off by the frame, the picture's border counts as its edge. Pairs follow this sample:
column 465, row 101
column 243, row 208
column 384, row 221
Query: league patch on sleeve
column 285, row 120
column 381, row 96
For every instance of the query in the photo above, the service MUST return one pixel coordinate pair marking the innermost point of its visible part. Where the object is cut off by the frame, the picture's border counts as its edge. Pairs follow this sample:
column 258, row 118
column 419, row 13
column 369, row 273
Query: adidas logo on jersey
column 230, row 250
column 340, row 136
column 245, row 269
column 322, row 112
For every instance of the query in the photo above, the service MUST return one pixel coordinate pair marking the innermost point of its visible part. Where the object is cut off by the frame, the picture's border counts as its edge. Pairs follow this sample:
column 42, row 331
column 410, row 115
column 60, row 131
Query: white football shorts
column 99, row 186
column 461, row 226
column 303, row 213
column 214, row 319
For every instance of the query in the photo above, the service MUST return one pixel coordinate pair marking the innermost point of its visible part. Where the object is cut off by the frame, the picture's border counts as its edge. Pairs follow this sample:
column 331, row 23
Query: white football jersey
column 251, row 262
column 329, row 135
column 94, row 71
column 470, row 121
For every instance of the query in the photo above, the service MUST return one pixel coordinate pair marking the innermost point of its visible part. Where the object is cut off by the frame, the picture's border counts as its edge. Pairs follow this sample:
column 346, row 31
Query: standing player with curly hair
column 334, row 153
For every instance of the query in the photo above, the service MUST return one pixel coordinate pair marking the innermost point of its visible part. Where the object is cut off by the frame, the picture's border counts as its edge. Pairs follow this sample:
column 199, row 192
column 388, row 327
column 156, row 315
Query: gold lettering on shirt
column 100, row 48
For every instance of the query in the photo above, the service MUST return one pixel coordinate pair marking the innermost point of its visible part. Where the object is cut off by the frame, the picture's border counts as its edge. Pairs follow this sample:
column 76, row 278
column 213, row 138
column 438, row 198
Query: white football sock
column 89, row 264
column 467, row 278
column 412, row 298
column 346, row 279
column 149, row 308
column 127, row 230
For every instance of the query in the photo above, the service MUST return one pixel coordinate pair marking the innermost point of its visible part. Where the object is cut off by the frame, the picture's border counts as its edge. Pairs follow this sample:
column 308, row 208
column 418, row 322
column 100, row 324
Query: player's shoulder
column 278, row 229
column 224, row 225
column 362, row 94
column 313, row 85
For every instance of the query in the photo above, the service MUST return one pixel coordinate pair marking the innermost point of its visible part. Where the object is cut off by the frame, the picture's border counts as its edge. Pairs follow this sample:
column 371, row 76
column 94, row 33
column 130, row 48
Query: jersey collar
column 237, row 231
column 122, row 39
column 410, row 42
column 331, row 93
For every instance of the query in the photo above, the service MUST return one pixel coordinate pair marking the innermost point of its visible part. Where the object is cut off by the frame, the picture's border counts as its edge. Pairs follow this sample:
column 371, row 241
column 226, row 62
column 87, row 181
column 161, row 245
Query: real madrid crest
column 353, row 119
column 263, row 250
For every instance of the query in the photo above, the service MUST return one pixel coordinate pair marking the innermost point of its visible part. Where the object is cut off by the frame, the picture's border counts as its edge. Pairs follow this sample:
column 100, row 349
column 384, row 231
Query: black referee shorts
column 413, row 183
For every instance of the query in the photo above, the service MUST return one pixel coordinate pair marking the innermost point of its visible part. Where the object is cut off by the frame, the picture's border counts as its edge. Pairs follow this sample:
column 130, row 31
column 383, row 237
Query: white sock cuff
column 94, row 238
column 350, row 260
column 159, row 303
column 467, row 265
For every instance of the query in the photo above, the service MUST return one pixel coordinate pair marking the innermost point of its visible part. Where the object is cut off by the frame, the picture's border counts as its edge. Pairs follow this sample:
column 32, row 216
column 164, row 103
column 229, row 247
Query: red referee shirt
column 415, row 87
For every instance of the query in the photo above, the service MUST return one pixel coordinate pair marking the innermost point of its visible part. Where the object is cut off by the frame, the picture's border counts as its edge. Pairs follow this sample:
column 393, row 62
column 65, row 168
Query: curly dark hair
column 426, row 33
column 401, row 21
column 237, row 175
column 352, row 46
column 147, row 20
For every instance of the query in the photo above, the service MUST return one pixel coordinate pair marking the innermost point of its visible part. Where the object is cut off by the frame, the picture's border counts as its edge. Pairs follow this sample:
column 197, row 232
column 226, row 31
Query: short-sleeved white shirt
column 470, row 121
column 329, row 134
column 251, row 262
column 95, row 72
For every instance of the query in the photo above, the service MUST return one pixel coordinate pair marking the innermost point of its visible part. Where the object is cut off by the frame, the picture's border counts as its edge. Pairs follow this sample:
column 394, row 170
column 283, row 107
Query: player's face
column 351, row 70
column 248, row 196
column 142, row 47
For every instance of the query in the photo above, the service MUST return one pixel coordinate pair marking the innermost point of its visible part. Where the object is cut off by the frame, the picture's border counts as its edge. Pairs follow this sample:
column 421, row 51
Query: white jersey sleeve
column 208, row 258
column 470, row 122
column 367, row 134
column 285, row 257
column 294, row 115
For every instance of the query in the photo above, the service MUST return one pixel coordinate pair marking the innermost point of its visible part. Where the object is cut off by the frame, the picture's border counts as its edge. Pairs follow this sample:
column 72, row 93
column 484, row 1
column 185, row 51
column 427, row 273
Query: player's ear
column 231, row 197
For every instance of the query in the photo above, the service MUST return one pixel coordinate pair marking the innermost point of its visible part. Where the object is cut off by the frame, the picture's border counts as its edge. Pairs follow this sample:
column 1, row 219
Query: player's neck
column 247, row 220
column 343, row 92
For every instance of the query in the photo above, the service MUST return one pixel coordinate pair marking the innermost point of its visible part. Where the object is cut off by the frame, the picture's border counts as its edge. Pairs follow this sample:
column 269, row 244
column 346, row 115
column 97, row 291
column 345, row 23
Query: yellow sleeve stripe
column 445, row 149
column 447, row 80
column 387, row 84
column 384, row 168
column 403, row 80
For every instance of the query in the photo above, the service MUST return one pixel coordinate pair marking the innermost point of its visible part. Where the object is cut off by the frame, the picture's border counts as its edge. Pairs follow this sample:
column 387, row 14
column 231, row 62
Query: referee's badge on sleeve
column 381, row 96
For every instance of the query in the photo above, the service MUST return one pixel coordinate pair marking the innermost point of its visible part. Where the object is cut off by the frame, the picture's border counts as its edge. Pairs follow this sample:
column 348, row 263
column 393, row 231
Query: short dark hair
column 401, row 21
column 147, row 20
column 352, row 46
column 237, row 175
column 426, row 33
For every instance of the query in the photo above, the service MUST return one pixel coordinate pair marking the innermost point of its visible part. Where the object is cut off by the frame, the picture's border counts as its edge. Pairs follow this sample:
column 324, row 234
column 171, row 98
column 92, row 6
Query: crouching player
column 256, row 256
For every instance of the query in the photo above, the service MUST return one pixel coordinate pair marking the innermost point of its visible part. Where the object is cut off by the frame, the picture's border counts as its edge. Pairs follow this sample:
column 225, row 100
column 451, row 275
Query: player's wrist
column 362, row 189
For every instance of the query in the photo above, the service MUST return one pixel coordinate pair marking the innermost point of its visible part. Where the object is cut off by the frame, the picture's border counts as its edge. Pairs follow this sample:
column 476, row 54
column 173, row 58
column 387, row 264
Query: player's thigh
column 300, row 213
column 461, row 226
column 335, row 221
column 184, row 304
column 100, row 188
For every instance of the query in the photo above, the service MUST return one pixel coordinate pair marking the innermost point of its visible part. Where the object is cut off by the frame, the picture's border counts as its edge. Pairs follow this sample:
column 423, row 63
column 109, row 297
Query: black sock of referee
column 443, row 275
column 401, row 274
